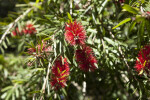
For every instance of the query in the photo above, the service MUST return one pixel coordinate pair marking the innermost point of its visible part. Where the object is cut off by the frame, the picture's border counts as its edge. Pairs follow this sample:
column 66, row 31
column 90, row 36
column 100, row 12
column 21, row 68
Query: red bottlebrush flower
column 30, row 28
column 40, row 49
column 148, row 12
column 19, row 32
column 31, row 50
column 75, row 33
column 143, row 61
column 25, row 31
column 60, row 72
column 14, row 33
column 29, row 25
column 86, row 59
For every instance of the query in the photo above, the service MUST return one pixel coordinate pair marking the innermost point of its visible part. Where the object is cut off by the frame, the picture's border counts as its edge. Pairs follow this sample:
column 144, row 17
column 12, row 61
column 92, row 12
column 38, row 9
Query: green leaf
column 37, row 1
column 40, row 69
column 92, row 30
column 141, row 30
column 4, row 44
column 32, row 92
column 7, row 88
column 132, row 26
column 13, row 96
column 58, row 70
column 20, row 46
column 109, row 41
column 48, row 38
column 139, row 19
column 147, row 26
column 9, row 94
column 17, row 92
column 2, row 60
column 69, row 16
column 140, row 72
column 64, row 91
column 47, row 32
column 134, row 91
column 49, row 1
column 41, row 47
column 2, row 50
column 49, row 16
column 19, row 26
column 130, row 9
column 122, row 22
column 7, row 40
column 4, row 95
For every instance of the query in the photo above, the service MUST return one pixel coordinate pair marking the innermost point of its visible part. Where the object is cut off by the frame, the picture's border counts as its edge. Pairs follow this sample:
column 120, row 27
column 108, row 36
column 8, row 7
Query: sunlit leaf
column 130, row 9
column 122, row 22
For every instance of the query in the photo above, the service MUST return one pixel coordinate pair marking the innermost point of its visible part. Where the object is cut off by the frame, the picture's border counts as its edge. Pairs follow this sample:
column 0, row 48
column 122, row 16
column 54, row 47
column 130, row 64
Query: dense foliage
column 74, row 49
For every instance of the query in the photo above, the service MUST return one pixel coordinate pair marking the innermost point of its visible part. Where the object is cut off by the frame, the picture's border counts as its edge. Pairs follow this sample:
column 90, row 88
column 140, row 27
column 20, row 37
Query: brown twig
column 46, row 79
column 71, row 1
column 84, row 87
column 124, row 59
column 120, row 50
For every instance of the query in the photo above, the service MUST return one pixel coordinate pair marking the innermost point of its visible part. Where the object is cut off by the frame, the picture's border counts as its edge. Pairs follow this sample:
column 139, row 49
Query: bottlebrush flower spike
column 143, row 61
column 30, row 29
column 86, row 59
column 60, row 73
column 38, row 50
column 14, row 33
column 75, row 33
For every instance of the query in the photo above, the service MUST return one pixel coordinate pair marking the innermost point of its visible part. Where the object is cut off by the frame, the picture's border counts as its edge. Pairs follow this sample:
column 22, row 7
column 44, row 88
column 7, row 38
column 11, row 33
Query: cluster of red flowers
column 27, row 29
column 39, row 50
column 86, row 59
column 60, row 73
column 143, row 61
column 75, row 35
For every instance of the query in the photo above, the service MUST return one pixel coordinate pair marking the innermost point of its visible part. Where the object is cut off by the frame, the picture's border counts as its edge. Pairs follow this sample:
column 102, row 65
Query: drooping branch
column 10, row 26
column 120, row 50
column 84, row 87
column 46, row 79
column 71, row 1
column 124, row 59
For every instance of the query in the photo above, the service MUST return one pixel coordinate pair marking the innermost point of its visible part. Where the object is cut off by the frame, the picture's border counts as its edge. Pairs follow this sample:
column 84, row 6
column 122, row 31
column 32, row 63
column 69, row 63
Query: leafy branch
column 11, row 25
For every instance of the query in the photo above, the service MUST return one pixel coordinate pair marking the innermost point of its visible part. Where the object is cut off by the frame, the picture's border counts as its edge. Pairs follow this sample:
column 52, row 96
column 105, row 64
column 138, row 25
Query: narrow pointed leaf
column 122, row 22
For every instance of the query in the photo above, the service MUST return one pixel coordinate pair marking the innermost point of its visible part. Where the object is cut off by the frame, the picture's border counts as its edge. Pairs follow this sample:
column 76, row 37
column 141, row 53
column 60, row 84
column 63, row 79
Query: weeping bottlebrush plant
column 77, row 50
